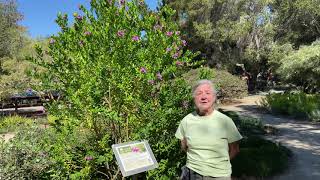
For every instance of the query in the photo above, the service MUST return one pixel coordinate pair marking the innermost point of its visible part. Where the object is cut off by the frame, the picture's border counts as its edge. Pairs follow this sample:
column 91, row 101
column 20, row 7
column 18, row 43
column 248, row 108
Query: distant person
column 270, row 79
column 209, row 137
column 259, row 80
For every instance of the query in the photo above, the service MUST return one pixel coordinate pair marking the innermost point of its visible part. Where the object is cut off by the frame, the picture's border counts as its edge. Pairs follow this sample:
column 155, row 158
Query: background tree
column 221, row 29
column 297, row 21
column 14, row 46
column 251, row 32
column 10, row 31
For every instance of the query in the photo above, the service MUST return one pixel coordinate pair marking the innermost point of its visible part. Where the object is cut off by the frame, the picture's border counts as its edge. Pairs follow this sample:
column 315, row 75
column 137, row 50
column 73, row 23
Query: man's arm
column 184, row 145
column 233, row 149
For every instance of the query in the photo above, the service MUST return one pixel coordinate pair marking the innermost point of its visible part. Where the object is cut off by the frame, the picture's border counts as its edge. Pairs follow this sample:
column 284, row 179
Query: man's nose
column 203, row 97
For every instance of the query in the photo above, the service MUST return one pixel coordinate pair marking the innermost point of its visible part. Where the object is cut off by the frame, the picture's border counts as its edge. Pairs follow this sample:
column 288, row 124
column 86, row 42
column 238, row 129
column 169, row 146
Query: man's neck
column 206, row 112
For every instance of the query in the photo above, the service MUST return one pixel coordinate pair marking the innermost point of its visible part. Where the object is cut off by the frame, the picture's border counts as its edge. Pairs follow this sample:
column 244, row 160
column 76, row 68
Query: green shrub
column 11, row 123
column 66, row 149
column 302, row 67
column 25, row 156
column 228, row 85
column 300, row 105
column 259, row 158
column 175, row 101
column 113, row 68
column 37, row 153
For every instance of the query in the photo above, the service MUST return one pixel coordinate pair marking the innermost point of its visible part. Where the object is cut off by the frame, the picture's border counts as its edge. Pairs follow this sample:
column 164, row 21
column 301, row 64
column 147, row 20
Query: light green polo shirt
column 207, row 139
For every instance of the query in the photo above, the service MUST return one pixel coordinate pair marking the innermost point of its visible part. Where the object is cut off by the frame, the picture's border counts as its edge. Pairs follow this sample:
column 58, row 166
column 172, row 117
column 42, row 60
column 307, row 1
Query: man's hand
column 233, row 149
column 184, row 145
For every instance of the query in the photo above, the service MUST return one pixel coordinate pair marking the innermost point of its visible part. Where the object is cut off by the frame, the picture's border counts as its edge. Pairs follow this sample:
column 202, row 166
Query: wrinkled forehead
column 204, row 87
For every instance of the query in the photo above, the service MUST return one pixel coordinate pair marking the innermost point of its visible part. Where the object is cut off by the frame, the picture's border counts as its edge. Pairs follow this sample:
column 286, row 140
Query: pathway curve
column 301, row 137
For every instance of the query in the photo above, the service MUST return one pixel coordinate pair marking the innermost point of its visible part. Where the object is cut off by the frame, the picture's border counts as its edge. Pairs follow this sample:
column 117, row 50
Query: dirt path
column 302, row 138
column 7, row 136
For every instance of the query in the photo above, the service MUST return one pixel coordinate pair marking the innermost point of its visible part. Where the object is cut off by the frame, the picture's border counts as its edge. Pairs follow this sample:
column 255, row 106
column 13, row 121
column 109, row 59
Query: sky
column 39, row 15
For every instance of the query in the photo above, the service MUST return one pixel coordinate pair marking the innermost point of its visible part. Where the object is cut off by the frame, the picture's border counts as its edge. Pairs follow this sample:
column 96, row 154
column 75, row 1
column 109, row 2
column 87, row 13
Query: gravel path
column 301, row 137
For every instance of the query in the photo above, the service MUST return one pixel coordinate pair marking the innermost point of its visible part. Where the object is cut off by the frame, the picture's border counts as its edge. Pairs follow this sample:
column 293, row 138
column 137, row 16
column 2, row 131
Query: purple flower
column 141, row 3
column 168, row 49
column 79, row 17
column 81, row 43
column 184, row 42
column 135, row 149
column 135, row 38
column 143, row 70
column 169, row 33
column 120, row 33
column 87, row 33
column 177, row 32
column 175, row 55
column 151, row 82
column 179, row 63
column 122, row 2
column 159, row 76
column 157, row 27
column 52, row 41
column 88, row 158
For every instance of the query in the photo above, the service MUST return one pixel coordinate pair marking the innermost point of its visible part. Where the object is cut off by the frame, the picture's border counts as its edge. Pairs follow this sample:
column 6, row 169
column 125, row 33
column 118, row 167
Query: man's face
column 204, row 97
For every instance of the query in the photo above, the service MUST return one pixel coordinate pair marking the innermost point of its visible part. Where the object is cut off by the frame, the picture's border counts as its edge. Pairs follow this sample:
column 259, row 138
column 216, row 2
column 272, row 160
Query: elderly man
column 209, row 137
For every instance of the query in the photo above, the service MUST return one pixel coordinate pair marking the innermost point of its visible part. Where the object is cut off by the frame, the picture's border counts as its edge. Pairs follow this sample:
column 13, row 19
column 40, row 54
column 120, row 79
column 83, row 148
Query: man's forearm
column 233, row 150
column 184, row 146
column 233, row 154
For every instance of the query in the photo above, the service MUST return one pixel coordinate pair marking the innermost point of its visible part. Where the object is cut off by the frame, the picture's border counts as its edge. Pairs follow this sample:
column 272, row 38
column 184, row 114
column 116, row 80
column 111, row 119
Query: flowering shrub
column 115, row 69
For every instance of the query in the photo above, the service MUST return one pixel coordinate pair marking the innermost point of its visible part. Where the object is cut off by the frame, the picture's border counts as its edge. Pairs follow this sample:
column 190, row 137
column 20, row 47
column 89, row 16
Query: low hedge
column 298, row 104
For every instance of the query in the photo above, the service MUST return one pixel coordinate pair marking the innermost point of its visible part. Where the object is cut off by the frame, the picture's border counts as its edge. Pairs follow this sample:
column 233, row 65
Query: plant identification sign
column 134, row 157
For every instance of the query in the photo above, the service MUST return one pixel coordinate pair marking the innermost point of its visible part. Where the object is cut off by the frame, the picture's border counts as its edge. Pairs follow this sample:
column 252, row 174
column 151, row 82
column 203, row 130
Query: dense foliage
column 300, row 105
column 252, row 33
column 227, row 32
column 117, row 70
column 302, row 67
column 297, row 21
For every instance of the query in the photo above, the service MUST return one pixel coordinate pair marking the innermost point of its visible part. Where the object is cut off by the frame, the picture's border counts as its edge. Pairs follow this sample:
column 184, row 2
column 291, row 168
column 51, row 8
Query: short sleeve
column 180, row 133
column 233, row 134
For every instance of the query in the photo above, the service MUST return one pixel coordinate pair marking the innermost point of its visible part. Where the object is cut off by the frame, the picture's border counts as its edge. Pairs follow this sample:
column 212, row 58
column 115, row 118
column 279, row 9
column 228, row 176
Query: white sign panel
column 134, row 157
